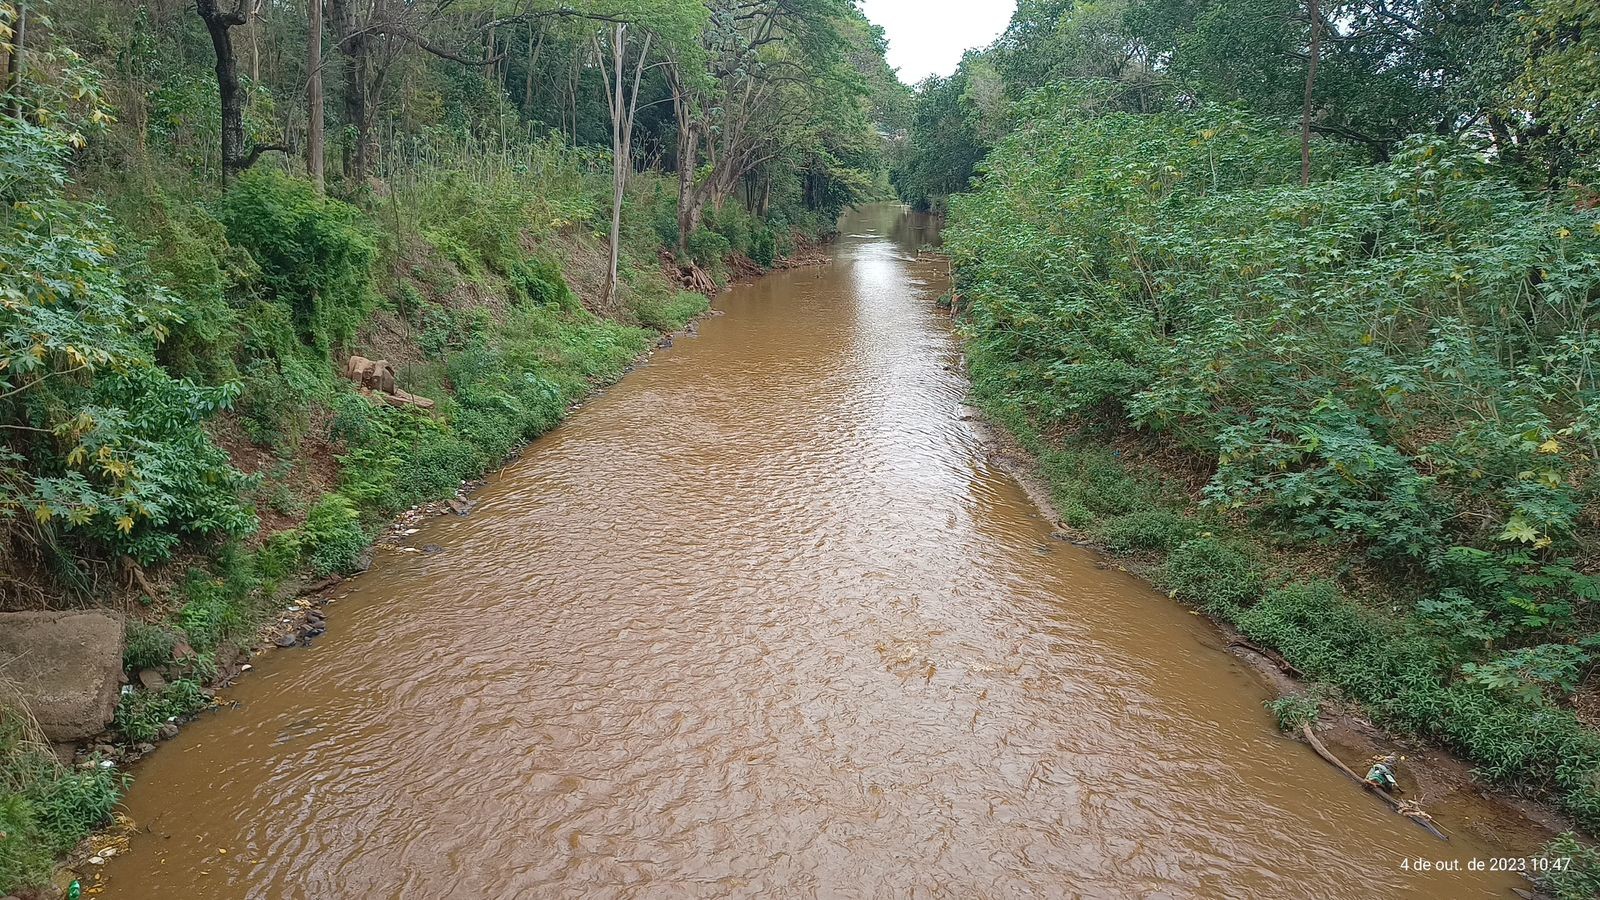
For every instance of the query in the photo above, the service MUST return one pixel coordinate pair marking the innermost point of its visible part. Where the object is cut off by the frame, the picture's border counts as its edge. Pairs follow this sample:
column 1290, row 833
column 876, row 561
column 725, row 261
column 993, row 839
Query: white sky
column 927, row 37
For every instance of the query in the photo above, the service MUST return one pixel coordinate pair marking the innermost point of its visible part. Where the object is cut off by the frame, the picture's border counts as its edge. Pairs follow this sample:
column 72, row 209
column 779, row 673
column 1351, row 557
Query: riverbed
column 764, row 619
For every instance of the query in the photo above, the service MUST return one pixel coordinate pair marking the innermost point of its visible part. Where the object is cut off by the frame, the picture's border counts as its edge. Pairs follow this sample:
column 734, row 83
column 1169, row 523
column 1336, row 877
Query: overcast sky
column 927, row 37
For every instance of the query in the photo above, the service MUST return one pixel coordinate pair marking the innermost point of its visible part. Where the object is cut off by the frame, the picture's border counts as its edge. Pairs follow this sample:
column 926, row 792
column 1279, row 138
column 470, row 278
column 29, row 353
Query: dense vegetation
column 211, row 204
column 1251, row 312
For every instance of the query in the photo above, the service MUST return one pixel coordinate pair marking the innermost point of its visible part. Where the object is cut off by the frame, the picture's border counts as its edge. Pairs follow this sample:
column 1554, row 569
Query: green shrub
column 277, row 558
column 147, row 646
column 707, row 249
column 278, row 399
column 670, row 311
column 764, row 247
column 1577, row 876
column 212, row 612
column 1294, row 710
column 332, row 539
column 1220, row 576
column 26, row 858
column 141, row 714
column 45, row 808
column 1153, row 528
column 315, row 254
column 76, row 802
column 537, row 280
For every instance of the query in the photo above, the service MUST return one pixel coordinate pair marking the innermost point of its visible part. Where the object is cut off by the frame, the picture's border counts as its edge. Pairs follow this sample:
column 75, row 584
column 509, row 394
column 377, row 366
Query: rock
column 373, row 374
column 431, row 549
column 461, row 507
column 66, row 667
column 364, row 561
column 167, row 732
column 182, row 652
column 315, row 615
column 151, row 680
column 319, row 586
column 61, row 879
column 285, row 640
column 97, row 861
column 146, row 748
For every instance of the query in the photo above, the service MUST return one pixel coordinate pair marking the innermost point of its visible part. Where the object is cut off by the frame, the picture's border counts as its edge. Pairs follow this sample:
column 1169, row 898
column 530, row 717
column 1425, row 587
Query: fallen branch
column 1409, row 810
column 1275, row 658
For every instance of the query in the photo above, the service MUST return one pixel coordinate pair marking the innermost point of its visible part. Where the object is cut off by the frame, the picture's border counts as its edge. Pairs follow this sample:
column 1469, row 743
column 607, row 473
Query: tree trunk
column 19, row 48
column 619, row 161
column 255, row 50
column 316, row 164
column 355, row 45
column 533, row 62
column 1311, row 84
column 219, row 25
column 623, row 108
column 690, row 200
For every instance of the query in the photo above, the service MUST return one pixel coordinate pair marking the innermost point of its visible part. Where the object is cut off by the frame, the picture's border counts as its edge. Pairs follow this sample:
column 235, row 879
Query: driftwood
column 1270, row 655
column 1401, row 807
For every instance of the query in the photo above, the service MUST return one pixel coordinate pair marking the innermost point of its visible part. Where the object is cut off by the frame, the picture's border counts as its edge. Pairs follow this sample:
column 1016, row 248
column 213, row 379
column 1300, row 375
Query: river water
column 762, row 620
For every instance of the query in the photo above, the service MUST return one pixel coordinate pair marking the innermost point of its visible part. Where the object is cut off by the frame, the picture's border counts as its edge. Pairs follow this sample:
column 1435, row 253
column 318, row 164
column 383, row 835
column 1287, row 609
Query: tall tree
column 18, row 47
column 316, row 161
column 1315, row 14
column 238, row 153
column 623, row 104
column 759, row 81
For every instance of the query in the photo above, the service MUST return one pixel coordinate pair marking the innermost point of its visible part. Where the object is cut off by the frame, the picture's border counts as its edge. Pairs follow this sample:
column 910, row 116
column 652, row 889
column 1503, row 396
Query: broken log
column 1401, row 808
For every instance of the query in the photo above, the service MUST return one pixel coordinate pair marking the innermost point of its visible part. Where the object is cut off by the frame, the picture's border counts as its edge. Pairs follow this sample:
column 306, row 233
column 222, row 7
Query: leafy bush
column 278, row 398
column 1294, row 710
column 1391, row 362
column 1153, row 528
column 45, row 808
column 107, row 447
column 669, row 311
column 211, row 613
column 540, row 281
column 74, row 803
column 277, row 558
column 315, row 254
column 1578, row 875
column 1220, row 576
column 707, row 249
column 332, row 538
column 147, row 646
column 764, row 247
column 140, row 715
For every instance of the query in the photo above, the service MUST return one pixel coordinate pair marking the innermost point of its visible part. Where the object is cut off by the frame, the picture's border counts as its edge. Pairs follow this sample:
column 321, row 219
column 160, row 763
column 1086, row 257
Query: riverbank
column 1124, row 493
column 1314, row 409
column 481, row 326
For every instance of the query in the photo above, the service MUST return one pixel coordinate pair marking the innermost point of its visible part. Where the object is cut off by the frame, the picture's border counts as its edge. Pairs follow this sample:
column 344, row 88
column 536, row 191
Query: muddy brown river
column 764, row 620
